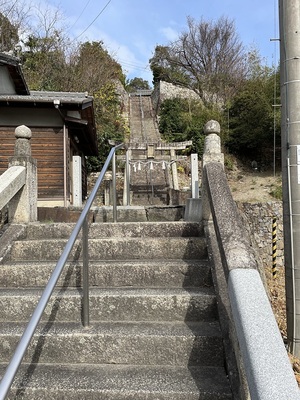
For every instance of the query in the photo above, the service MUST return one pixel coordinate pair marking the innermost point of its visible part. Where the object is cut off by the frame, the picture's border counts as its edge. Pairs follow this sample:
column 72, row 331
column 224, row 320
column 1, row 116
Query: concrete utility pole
column 289, row 21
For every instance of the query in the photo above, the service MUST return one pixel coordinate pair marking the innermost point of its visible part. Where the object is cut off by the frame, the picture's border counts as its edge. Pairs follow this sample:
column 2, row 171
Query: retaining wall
column 258, row 219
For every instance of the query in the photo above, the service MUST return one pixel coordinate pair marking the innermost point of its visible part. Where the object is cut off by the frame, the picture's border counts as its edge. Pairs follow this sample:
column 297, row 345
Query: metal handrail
column 82, row 222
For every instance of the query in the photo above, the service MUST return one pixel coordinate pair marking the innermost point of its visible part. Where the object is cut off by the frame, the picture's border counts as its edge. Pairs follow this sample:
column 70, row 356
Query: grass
column 276, row 192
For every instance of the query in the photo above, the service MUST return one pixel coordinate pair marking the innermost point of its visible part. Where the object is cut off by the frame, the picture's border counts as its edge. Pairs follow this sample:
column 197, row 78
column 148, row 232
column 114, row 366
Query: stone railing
column 257, row 360
column 18, row 184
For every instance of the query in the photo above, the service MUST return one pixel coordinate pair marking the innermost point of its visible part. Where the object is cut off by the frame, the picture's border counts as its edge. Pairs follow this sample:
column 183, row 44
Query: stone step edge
column 128, row 291
column 138, row 380
column 118, row 329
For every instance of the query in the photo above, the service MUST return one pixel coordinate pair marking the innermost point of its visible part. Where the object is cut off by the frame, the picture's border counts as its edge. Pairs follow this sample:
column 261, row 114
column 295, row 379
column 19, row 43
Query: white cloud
column 169, row 33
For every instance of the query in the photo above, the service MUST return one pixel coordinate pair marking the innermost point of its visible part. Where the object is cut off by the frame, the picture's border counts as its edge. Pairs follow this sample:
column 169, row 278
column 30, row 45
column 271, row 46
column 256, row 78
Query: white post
column 174, row 170
column 77, row 182
column 126, row 190
column 194, row 176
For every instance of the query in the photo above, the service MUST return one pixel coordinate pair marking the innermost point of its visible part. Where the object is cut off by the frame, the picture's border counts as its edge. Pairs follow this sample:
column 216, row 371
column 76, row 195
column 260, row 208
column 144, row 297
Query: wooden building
column 63, row 134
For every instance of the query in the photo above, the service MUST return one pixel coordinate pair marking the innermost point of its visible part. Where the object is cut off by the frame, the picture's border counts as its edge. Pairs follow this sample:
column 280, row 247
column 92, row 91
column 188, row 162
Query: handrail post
column 114, row 187
column 127, row 174
column 85, row 273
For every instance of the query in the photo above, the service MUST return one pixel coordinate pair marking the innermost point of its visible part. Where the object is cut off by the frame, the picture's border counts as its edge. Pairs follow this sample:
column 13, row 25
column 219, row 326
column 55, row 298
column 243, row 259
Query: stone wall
column 258, row 219
column 165, row 90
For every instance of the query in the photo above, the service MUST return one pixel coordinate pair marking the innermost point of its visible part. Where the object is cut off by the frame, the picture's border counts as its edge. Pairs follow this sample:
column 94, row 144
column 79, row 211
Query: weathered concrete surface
column 260, row 340
column 126, row 343
column 113, row 249
column 11, row 181
column 23, row 206
column 117, row 230
column 234, row 361
column 235, row 249
column 193, row 210
column 113, row 304
column 111, row 273
column 255, row 326
column 151, row 313
column 109, row 382
column 105, row 214
column 10, row 233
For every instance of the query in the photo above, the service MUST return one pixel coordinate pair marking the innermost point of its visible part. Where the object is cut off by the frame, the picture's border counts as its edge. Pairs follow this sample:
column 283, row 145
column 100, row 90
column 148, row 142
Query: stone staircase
column 154, row 330
column 149, row 187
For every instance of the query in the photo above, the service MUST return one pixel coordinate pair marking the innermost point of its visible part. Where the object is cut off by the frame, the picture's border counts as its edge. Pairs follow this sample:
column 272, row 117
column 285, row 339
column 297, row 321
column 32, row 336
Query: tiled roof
column 50, row 97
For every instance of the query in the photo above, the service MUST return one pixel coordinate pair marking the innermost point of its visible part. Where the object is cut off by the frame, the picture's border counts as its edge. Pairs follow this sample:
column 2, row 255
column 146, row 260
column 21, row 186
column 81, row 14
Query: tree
column 8, row 34
column 252, row 117
column 136, row 84
column 92, row 67
column 44, row 63
column 181, row 119
column 52, row 62
column 13, row 18
column 44, row 55
column 209, row 58
column 165, row 68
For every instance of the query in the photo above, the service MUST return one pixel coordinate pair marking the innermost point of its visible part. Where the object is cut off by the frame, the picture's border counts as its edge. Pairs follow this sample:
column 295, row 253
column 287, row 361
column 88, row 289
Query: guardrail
column 11, row 181
column 82, row 223
column 264, row 357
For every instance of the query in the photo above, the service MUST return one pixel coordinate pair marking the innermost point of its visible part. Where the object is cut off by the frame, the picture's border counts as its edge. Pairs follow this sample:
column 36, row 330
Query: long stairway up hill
column 149, row 180
column 143, row 126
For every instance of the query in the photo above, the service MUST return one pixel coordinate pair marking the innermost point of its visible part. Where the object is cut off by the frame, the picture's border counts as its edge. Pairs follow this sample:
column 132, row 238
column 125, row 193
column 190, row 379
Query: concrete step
column 154, row 331
column 115, row 304
column 113, row 249
column 119, row 382
column 117, row 230
column 135, row 343
column 139, row 213
column 111, row 273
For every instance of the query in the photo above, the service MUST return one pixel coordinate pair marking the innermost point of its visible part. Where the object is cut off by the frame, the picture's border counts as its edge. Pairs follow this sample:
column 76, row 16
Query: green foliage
column 90, row 69
column 228, row 162
column 276, row 192
column 93, row 67
column 251, row 118
column 136, row 84
column 182, row 119
column 109, row 123
column 165, row 68
column 8, row 34
column 44, row 63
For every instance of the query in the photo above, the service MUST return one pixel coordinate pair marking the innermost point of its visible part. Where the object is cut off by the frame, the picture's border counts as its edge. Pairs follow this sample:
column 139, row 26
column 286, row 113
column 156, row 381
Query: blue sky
column 130, row 29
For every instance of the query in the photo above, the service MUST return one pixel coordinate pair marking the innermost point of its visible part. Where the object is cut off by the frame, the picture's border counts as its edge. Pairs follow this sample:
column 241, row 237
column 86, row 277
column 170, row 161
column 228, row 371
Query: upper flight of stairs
column 154, row 330
column 148, row 186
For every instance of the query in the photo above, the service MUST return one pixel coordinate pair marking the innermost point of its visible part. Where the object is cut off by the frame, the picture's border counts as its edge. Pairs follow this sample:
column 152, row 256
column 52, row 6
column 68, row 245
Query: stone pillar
column 77, row 181
column 212, row 153
column 23, row 206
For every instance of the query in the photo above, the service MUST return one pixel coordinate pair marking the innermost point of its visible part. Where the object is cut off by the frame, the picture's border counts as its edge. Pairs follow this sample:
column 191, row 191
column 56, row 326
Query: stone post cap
column 212, row 127
column 23, row 132
column 22, row 146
